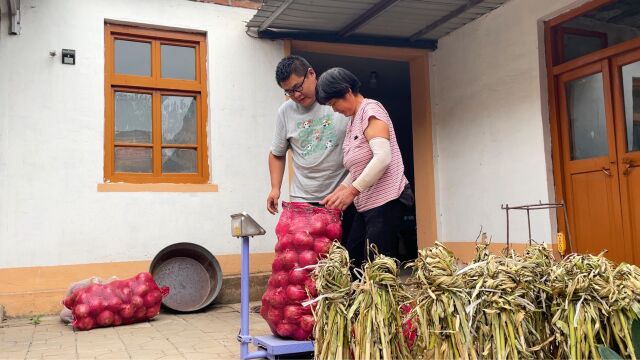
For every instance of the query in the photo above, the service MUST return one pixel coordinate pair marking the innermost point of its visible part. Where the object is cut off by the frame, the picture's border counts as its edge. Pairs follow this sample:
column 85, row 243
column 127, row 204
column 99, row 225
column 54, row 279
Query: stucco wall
column 52, row 137
column 490, row 118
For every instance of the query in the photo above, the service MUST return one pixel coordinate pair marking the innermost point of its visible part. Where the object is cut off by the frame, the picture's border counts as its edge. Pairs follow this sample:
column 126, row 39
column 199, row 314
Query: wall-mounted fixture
column 14, row 12
column 373, row 79
column 68, row 57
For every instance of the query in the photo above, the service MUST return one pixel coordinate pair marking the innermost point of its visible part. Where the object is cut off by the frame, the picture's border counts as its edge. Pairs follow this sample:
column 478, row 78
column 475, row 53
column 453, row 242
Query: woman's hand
column 340, row 198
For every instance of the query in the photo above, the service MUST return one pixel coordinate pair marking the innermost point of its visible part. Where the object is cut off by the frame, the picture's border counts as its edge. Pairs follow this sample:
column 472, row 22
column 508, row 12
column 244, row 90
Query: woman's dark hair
column 290, row 65
column 336, row 83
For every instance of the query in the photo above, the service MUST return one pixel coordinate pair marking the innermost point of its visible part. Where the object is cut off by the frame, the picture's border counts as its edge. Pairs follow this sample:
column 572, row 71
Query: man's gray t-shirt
column 315, row 135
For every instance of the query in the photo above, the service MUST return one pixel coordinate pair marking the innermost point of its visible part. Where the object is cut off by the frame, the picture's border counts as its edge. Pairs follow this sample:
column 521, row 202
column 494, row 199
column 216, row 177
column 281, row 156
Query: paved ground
column 207, row 335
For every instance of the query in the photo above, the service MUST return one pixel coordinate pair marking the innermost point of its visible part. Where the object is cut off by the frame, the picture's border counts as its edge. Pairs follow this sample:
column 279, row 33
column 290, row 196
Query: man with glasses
column 313, row 132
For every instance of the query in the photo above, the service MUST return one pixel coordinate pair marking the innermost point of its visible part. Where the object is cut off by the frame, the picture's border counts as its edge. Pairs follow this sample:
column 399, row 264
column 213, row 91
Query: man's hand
column 340, row 198
column 272, row 201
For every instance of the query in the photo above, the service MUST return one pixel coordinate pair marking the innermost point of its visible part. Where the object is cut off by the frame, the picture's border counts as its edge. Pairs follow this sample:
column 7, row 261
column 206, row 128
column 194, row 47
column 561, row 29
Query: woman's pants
column 380, row 227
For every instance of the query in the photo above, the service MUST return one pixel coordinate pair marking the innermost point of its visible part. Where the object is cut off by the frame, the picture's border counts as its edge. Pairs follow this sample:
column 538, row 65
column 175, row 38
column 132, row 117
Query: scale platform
column 276, row 346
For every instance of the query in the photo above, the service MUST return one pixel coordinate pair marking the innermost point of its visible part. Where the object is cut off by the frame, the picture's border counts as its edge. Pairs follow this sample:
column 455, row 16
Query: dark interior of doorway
column 388, row 82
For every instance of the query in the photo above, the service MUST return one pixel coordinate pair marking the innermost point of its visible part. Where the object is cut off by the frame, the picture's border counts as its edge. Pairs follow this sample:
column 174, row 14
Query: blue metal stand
column 270, row 346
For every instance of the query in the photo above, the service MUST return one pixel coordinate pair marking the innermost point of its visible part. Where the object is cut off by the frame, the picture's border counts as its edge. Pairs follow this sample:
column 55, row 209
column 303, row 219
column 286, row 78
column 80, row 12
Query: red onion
column 274, row 315
column 152, row 298
column 283, row 226
column 302, row 240
column 292, row 313
column 307, row 322
column 322, row 245
column 307, row 257
column 296, row 293
column 298, row 276
column 282, row 279
column 152, row 311
column 96, row 305
column 86, row 323
column 289, row 258
column 278, row 298
column 310, row 285
column 300, row 334
column 285, row 242
column 114, row 304
column 81, row 311
column 286, row 330
column 127, row 311
column 105, row 318
column 140, row 313
column 117, row 320
column 334, row 231
column 144, row 277
column 318, row 224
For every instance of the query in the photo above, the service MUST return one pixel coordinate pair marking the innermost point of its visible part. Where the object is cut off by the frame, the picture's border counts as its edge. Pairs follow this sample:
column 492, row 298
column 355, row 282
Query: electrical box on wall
column 68, row 57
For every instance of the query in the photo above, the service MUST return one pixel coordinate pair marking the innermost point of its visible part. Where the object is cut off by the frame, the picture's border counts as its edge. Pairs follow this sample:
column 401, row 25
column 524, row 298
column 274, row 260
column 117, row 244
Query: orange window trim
column 156, row 86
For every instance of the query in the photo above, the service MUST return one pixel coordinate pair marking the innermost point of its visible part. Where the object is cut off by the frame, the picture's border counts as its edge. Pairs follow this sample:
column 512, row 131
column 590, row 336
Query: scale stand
column 538, row 206
column 269, row 346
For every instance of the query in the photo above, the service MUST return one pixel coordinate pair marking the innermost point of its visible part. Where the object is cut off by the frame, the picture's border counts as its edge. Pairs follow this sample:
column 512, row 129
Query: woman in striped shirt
column 376, row 183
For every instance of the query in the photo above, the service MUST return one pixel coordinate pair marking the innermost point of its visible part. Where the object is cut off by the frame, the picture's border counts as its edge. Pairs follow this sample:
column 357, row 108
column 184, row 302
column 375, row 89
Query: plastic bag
column 114, row 303
column 304, row 233
column 66, row 313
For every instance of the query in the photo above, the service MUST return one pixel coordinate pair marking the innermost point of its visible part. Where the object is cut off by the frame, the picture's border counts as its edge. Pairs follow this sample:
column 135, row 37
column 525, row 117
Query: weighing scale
column 269, row 346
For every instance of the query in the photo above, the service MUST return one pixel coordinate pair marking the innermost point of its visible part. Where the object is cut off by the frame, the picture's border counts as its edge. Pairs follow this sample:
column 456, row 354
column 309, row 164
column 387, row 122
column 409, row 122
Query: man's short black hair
column 336, row 83
column 292, row 64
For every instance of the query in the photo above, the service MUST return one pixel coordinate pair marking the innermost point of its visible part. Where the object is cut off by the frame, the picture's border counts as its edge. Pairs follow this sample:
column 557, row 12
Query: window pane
column 631, row 88
column 133, row 117
column 585, row 101
column 178, row 120
column 178, row 62
column 579, row 45
column 133, row 159
column 179, row 161
column 133, row 57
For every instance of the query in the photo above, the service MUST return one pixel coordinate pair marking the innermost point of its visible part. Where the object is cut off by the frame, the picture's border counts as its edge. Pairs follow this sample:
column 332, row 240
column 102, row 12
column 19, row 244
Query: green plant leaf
column 635, row 336
column 35, row 320
column 607, row 354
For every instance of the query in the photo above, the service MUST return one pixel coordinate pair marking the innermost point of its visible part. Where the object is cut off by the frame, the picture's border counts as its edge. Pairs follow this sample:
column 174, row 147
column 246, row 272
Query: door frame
column 421, row 121
column 621, row 143
column 554, row 71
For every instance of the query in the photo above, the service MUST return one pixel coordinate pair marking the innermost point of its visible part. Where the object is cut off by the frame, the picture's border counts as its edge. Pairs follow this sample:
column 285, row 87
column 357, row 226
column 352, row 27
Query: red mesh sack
column 115, row 303
column 304, row 233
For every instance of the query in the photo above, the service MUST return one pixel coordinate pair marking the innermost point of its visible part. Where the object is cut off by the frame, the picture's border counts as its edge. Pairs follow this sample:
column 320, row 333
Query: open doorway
column 389, row 82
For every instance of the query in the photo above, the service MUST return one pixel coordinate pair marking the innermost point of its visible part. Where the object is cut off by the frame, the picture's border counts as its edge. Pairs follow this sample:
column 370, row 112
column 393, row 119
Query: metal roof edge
column 429, row 44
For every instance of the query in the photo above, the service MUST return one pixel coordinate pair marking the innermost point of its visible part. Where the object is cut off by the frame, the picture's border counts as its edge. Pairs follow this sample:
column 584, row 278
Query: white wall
column 52, row 137
column 491, row 127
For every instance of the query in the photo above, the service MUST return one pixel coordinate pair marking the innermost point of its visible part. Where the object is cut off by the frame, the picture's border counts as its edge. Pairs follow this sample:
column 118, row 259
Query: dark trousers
column 380, row 227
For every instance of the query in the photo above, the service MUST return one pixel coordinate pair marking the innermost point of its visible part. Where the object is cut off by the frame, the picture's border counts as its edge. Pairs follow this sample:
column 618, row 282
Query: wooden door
column 626, row 91
column 590, row 161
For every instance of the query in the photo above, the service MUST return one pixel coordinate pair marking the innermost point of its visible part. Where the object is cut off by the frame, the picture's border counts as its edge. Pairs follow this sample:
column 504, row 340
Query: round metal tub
column 192, row 274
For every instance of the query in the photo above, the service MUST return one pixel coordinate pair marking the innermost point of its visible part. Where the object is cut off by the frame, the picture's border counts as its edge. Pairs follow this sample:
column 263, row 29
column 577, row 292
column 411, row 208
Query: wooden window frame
column 157, row 87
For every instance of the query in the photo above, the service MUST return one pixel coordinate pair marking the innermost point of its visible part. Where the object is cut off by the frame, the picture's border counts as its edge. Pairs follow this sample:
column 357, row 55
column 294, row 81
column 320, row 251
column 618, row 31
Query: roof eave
column 277, row 34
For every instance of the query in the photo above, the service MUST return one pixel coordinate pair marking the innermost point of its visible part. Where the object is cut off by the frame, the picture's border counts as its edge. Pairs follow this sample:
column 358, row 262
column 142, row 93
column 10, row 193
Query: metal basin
column 192, row 274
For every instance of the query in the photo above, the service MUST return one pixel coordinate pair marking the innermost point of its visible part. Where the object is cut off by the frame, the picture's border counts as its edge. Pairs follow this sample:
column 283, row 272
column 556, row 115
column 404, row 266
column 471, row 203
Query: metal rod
column 453, row 14
column 566, row 224
column 366, row 17
column 244, row 300
column 529, row 224
column 260, row 354
column 507, row 209
column 275, row 14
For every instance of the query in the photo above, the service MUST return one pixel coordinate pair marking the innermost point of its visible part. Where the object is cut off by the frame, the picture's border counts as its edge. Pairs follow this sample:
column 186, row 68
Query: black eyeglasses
column 297, row 88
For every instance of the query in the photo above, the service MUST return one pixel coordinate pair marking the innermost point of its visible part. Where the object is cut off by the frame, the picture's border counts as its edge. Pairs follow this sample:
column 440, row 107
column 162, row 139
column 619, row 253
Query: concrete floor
column 205, row 335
